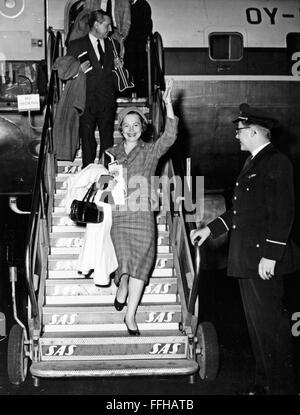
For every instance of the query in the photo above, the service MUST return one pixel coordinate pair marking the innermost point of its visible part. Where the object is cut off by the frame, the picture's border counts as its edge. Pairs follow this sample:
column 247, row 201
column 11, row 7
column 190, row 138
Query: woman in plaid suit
column 133, row 229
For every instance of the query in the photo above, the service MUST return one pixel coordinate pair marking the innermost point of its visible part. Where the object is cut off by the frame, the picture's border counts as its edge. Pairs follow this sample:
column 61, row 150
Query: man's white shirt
column 94, row 42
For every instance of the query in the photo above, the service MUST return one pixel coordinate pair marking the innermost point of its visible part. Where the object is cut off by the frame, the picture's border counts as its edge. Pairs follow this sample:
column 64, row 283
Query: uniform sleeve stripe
column 224, row 223
column 276, row 242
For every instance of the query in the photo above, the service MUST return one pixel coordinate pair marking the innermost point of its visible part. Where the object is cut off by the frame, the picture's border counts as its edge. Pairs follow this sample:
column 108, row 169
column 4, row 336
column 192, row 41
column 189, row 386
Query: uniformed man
column 261, row 251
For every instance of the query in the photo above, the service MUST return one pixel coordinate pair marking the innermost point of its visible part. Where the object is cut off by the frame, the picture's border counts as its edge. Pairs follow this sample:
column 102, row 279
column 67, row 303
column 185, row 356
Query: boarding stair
column 73, row 329
column 83, row 331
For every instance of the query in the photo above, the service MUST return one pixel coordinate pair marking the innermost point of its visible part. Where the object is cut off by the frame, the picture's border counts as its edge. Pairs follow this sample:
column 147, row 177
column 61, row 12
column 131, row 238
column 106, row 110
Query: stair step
column 72, row 317
column 141, row 107
column 84, row 291
column 69, row 262
column 67, row 168
column 70, row 226
column 99, row 346
column 65, row 163
column 71, row 243
column 105, row 327
column 129, row 102
column 61, row 190
column 75, row 239
column 61, row 217
column 161, row 249
column 73, row 274
column 64, row 369
column 106, row 299
column 87, row 287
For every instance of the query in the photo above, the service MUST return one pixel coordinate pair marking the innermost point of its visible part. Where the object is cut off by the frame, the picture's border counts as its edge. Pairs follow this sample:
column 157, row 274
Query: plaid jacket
column 140, row 165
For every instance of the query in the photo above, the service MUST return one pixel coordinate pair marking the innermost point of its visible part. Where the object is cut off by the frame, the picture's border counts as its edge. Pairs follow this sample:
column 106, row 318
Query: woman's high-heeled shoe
column 119, row 306
column 130, row 331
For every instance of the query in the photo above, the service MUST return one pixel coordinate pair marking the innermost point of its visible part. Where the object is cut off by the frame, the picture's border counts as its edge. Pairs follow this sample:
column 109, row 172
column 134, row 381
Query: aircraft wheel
column 207, row 351
column 17, row 361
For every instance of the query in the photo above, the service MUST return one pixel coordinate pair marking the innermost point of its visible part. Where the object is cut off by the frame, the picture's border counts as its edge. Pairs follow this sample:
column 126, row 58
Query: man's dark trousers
column 104, row 120
column 270, row 333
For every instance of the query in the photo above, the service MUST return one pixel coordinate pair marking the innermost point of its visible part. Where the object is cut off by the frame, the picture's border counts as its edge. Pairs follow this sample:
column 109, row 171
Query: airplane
column 219, row 53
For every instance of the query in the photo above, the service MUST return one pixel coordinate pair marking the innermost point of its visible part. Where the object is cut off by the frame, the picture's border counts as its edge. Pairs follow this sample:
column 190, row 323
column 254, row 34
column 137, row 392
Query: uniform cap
column 251, row 115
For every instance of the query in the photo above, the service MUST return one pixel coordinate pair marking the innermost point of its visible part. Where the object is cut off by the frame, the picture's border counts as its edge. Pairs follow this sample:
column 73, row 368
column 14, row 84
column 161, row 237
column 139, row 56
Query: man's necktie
column 101, row 53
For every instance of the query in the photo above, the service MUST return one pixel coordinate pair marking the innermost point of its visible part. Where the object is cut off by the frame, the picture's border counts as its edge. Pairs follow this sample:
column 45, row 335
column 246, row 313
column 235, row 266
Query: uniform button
column 257, row 245
column 247, row 189
column 237, row 183
column 235, row 198
column 233, row 226
column 234, row 212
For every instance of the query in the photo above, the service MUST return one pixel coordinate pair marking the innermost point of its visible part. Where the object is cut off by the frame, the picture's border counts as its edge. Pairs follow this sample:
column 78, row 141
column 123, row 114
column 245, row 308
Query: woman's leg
column 135, row 290
column 122, row 292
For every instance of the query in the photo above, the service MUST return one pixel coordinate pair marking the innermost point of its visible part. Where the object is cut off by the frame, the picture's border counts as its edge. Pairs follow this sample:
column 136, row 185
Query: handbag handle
column 89, row 193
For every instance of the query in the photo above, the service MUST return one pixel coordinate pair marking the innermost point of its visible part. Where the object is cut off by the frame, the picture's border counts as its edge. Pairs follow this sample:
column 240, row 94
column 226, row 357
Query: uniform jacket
column 261, row 217
column 100, row 90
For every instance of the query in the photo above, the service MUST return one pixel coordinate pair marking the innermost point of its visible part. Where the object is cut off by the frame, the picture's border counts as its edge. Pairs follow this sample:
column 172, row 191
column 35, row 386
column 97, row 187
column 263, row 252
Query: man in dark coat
column 261, row 250
column 100, row 104
column 135, row 58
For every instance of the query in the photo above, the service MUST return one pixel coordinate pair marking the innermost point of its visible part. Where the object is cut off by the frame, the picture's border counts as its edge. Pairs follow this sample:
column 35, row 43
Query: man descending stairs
column 83, row 334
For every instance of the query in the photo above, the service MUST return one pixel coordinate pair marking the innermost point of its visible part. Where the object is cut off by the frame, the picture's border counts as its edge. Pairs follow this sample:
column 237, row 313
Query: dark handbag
column 122, row 77
column 85, row 210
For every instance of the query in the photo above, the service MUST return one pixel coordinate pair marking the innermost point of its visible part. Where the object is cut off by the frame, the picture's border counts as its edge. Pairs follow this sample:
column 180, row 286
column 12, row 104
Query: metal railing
column 187, row 257
column 155, row 68
column 38, row 227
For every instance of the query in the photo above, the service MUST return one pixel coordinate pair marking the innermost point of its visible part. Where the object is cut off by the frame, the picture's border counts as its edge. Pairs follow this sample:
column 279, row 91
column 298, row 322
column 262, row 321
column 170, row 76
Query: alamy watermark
column 161, row 193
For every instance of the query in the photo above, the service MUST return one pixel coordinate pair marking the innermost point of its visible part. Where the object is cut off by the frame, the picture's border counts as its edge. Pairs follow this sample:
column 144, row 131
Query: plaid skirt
column 133, row 236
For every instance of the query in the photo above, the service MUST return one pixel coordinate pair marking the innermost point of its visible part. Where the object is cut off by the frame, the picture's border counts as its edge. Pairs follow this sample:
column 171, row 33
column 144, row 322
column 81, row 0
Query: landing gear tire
column 207, row 351
column 17, row 361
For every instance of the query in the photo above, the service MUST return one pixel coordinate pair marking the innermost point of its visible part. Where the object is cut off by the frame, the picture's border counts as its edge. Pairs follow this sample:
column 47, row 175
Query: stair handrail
column 158, row 122
column 50, row 50
column 158, row 64
column 39, row 202
column 186, row 253
column 155, row 67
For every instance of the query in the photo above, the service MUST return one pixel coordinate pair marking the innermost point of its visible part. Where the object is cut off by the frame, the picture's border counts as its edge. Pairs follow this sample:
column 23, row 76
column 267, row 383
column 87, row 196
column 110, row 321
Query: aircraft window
column 225, row 46
column 17, row 78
